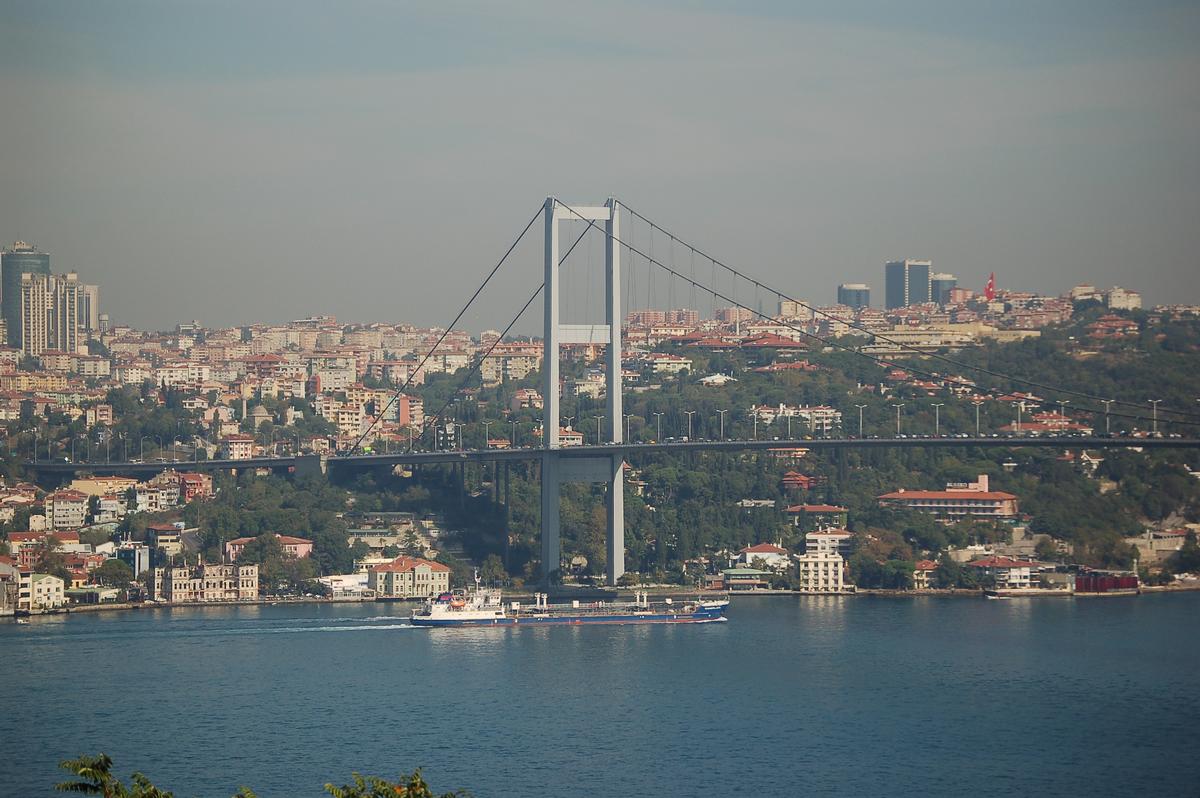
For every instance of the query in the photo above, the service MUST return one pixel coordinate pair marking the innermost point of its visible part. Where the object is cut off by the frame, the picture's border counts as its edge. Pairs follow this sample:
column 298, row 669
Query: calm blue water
column 828, row 696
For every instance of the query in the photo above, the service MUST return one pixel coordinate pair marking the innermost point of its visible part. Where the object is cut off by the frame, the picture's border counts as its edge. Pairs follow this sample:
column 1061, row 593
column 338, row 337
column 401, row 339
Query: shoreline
column 658, row 592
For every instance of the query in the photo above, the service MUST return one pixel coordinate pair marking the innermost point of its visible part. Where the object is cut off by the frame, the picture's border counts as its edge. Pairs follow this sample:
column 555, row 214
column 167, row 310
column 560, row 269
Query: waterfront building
column 775, row 558
column 203, row 583
column 292, row 546
column 741, row 579
column 345, row 585
column 409, row 577
column 136, row 556
column 10, row 585
column 19, row 259
column 906, row 282
column 1007, row 573
column 959, row 500
column 822, row 567
column 38, row 592
column 923, row 574
column 854, row 295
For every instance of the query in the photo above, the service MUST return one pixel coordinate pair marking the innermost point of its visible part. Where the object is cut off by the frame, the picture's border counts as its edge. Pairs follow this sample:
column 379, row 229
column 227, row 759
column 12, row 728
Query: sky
column 235, row 162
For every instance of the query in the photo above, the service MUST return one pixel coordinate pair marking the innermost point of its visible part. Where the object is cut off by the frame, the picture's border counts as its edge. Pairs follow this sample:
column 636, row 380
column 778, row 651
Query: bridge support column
column 507, row 515
column 551, row 543
column 606, row 469
column 616, row 521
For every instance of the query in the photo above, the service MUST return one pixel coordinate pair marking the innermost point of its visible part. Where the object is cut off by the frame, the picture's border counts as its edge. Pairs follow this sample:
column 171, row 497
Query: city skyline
column 252, row 162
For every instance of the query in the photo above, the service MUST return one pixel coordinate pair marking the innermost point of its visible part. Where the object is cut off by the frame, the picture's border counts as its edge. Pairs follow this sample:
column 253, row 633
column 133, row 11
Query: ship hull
column 572, row 620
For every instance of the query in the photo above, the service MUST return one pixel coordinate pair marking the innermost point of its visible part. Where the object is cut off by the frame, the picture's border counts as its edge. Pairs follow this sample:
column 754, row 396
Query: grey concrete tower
column 557, row 466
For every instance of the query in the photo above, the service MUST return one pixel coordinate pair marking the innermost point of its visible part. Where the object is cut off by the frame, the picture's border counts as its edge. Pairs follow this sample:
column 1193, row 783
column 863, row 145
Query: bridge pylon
column 557, row 469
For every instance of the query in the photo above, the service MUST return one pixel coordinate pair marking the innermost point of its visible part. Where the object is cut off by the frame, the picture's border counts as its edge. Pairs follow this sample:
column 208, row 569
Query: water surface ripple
column 794, row 696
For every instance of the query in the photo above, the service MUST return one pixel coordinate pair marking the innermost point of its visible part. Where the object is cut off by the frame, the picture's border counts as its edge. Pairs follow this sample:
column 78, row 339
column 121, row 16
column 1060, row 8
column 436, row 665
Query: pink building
column 292, row 546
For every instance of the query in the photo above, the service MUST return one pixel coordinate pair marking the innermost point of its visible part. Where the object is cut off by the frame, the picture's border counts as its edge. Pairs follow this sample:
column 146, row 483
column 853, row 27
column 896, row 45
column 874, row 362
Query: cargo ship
column 486, row 607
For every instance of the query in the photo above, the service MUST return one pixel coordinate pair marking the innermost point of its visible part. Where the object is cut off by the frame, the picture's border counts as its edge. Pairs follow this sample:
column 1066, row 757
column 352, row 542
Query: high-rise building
column 89, row 309
column 794, row 309
column 49, row 313
column 21, row 258
column 940, row 286
column 855, row 295
column 906, row 282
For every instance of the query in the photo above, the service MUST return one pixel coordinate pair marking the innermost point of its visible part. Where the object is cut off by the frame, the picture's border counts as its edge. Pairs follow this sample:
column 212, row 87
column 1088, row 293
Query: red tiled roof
column 1001, row 562
column 67, row 495
column 926, row 565
column 992, row 495
column 405, row 564
column 764, row 548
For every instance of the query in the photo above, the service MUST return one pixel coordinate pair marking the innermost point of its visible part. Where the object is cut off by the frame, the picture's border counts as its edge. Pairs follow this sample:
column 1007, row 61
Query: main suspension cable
column 412, row 374
column 900, row 344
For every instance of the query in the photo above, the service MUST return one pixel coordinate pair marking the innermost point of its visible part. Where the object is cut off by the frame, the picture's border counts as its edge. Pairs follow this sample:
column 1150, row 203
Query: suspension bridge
column 603, row 462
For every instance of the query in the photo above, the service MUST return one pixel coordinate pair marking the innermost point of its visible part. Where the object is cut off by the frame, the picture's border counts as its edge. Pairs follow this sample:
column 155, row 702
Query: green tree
column 492, row 570
column 1046, row 550
column 114, row 573
column 96, row 778
column 49, row 560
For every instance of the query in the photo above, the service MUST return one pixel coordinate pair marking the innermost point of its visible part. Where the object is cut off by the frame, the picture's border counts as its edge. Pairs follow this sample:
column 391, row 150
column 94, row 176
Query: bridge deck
column 415, row 458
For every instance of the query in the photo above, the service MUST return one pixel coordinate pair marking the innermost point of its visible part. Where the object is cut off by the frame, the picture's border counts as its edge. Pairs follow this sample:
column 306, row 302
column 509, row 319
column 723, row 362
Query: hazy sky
column 243, row 161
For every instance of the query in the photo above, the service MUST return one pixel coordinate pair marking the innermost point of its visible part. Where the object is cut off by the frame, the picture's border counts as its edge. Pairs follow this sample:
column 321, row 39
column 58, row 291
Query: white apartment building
column 822, row 568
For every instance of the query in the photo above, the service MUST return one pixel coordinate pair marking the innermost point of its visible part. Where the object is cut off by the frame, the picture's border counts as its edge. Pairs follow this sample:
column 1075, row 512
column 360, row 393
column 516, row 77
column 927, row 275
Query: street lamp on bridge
column 937, row 418
column 860, row 419
column 722, row 413
column 977, row 403
column 689, row 414
column 898, row 405
column 659, row 417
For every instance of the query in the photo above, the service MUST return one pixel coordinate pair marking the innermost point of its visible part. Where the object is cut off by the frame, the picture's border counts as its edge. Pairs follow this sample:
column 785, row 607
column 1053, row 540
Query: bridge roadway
column 61, row 469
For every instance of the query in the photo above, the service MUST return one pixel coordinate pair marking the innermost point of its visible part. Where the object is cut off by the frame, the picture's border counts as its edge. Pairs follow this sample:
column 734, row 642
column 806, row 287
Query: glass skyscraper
column 940, row 286
column 19, row 259
column 855, row 295
column 906, row 282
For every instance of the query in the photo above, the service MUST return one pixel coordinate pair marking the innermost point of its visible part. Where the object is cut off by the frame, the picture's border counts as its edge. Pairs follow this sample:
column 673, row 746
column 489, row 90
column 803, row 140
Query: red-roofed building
column 409, row 577
column 794, row 480
column 292, row 546
column 773, row 557
column 923, row 574
column 969, row 500
column 773, row 341
column 194, row 486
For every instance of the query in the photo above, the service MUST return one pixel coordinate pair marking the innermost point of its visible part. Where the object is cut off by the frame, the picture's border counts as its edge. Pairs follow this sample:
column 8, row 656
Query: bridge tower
column 557, row 469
